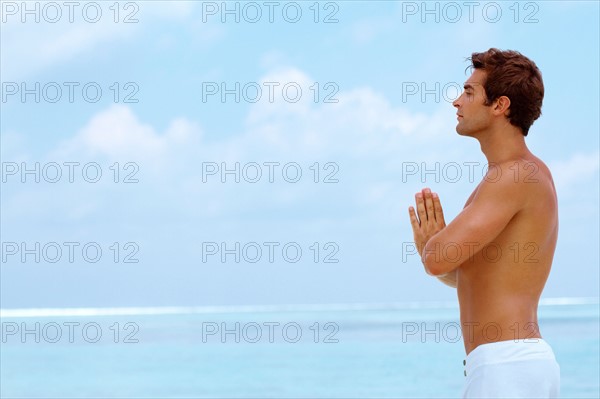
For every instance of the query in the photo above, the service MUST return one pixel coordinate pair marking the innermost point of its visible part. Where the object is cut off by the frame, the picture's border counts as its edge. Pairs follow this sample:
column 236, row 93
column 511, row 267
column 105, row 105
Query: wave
column 179, row 310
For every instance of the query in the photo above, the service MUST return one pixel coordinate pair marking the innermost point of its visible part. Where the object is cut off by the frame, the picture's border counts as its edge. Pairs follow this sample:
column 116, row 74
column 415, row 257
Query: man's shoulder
column 505, row 182
column 517, row 172
column 517, row 183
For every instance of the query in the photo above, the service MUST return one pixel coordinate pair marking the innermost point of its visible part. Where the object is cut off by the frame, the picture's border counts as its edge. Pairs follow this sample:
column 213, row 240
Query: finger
column 437, row 206
column 421, row 207
column 413, row 218
column 429, row 205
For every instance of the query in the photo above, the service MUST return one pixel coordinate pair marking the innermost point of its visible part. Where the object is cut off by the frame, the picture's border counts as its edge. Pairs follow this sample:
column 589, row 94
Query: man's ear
column 502, row 105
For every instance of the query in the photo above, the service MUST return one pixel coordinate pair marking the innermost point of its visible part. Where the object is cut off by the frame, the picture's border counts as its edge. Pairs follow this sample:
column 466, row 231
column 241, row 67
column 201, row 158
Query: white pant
column 523, row 368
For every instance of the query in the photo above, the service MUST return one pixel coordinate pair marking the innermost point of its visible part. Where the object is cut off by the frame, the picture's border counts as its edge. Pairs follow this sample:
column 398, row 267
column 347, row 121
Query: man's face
column 473, row 116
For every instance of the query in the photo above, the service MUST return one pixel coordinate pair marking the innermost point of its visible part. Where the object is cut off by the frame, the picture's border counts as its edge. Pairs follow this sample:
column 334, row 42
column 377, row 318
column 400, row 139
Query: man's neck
column 503, row 144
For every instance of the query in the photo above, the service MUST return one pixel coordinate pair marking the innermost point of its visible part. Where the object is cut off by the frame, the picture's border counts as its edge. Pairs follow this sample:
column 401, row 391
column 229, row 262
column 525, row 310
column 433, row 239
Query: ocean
column 409, row 350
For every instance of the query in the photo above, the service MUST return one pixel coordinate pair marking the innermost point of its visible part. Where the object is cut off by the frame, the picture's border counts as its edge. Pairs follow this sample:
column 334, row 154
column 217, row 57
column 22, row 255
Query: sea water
column 316, row 351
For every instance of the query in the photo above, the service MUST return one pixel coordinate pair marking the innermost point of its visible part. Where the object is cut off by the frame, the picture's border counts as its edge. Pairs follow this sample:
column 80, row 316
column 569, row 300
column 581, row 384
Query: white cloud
column 117, row 134
column 363, row 133
column 361, row 125
column 366, row 135
column 361, row 121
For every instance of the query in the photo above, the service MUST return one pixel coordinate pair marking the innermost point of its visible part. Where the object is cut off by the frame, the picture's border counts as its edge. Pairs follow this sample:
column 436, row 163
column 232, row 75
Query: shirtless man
column 498, row 251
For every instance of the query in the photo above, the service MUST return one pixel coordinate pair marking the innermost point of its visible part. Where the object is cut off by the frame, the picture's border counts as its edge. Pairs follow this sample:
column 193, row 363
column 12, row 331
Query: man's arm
column 449, row 278
column 495, row 203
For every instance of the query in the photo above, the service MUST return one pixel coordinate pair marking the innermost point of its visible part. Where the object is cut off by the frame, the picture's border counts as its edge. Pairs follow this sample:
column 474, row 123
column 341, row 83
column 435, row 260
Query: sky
column 191, row 153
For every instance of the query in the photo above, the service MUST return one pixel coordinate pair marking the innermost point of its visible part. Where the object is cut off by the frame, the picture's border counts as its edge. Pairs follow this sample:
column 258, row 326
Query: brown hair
column 511, row 74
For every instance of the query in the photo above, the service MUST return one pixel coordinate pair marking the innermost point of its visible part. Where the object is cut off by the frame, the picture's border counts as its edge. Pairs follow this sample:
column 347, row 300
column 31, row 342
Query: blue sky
column 367, row 61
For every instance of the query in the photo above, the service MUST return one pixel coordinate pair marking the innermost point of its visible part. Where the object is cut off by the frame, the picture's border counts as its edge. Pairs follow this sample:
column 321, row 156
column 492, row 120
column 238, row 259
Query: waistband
column 508, row 351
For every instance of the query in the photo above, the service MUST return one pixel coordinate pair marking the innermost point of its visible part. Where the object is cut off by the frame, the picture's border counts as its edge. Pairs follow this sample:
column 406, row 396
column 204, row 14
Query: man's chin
column 461, row 131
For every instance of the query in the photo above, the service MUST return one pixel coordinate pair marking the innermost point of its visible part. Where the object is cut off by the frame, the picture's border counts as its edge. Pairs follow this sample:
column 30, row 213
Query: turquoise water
column 369, row 353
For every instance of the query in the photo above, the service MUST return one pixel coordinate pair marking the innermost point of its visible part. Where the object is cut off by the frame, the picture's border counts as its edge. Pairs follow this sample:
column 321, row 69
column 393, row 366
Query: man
column 498, row 251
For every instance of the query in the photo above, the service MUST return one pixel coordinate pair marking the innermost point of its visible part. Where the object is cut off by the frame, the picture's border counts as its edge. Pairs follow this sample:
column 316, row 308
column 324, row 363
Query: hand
column 431, row 217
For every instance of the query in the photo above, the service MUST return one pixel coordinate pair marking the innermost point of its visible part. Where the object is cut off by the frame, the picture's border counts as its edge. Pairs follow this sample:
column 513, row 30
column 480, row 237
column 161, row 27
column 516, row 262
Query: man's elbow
column 435, row 267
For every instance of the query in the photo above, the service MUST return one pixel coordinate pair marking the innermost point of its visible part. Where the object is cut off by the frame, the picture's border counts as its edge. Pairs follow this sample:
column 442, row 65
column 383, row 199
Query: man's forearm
column 449, row 278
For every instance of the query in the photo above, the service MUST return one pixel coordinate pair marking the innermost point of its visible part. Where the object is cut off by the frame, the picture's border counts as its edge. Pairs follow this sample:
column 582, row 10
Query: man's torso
column 500, row 286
